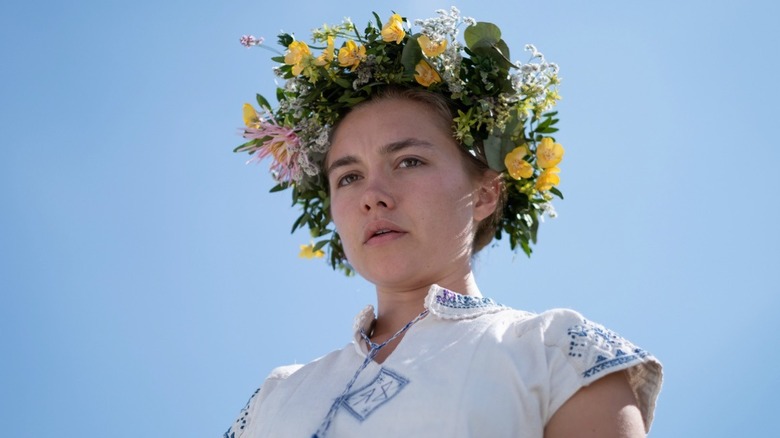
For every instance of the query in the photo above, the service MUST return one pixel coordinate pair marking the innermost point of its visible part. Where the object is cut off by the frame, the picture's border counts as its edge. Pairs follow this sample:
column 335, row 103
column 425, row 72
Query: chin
column 388, row 270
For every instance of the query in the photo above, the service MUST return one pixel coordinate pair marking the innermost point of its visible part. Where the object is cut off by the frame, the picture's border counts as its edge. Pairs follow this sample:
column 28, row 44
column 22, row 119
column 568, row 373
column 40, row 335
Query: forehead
column 388, row 120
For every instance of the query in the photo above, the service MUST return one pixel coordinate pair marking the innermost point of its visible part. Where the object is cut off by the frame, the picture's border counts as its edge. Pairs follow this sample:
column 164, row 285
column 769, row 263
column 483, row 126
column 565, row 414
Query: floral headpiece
column 503, row 111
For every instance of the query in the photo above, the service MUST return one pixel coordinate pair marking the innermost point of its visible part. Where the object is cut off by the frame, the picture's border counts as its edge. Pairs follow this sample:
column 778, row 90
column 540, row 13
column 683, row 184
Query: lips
column 381, row 231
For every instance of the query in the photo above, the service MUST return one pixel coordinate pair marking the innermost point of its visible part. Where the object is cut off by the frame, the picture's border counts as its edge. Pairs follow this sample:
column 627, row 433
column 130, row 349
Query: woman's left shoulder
column 580, row 351
column 591, row 348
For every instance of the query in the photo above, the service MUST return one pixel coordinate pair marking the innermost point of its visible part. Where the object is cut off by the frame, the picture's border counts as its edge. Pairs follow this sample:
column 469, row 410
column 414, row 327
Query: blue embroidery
column 364, row 401
column 619, row 360
column 458, row 301
column 241, row 420
column 613, row 349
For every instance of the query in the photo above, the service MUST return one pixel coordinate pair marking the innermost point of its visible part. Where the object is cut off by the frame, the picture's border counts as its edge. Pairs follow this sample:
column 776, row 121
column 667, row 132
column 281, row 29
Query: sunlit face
column 403, row 203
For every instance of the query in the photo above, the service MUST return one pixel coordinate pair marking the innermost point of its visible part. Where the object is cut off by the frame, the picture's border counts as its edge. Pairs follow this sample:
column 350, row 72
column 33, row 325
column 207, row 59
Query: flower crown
column 503, row 112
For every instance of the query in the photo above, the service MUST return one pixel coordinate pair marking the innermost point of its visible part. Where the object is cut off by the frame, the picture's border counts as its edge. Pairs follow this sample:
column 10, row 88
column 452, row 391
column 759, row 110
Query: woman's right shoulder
column 283, row 372
column 242, row 426
column 286, row 376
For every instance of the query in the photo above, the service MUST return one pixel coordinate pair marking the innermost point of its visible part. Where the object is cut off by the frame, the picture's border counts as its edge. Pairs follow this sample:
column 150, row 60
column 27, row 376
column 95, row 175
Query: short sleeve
column 581, row 352
column 247, row 418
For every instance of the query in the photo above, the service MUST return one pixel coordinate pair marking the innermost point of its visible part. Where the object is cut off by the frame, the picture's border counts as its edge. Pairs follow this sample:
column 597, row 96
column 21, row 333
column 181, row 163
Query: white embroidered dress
column 471, row 368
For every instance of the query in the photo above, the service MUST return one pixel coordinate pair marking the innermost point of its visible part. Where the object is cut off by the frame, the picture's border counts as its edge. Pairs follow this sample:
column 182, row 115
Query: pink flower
column 279, row 142
column 250, row 40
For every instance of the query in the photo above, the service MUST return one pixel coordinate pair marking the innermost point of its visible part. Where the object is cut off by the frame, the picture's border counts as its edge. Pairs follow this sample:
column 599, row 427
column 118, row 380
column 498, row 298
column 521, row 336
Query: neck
column 397, row 306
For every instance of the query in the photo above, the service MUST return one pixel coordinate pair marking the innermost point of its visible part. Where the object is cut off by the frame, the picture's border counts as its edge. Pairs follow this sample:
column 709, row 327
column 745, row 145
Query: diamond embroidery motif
column 363, row 402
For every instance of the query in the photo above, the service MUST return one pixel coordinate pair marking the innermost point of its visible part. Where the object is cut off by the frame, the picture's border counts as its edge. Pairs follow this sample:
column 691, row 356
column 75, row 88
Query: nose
column 378, row 195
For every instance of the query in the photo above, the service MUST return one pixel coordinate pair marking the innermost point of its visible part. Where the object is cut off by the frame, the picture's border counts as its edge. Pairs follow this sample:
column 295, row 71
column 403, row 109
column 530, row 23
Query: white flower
column 534, row 53
column 548, row 209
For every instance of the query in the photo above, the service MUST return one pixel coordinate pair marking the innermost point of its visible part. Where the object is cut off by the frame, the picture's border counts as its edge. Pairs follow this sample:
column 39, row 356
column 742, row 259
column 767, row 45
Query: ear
column 487, row 194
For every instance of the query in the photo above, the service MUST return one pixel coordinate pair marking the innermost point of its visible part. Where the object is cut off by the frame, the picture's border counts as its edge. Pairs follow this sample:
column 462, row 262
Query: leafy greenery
column 499, row 107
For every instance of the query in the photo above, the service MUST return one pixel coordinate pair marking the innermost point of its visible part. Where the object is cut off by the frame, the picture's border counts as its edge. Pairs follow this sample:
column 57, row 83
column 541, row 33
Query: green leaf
column 503, row 49
column 545, row 123
column 344, row 83
column 412, row 54
column 262, row 102
column 556, row 192
column 285, row 39
column 279, row 59
column 514, row 126
column 299, row 222
column 496, row 149
column 526, row 248
column 482, row 34
column 320, row 244
column 498, row 53
column 279, row 187
column 492, row 147
column 245, row 146
column 378, row 20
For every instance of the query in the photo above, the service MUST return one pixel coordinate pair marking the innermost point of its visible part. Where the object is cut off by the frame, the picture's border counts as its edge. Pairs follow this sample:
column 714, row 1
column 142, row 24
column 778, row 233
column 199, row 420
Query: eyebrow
column 387, row 149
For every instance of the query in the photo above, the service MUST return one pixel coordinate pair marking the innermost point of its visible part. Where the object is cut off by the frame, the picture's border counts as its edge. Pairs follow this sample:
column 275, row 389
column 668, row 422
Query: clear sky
column 148, row 281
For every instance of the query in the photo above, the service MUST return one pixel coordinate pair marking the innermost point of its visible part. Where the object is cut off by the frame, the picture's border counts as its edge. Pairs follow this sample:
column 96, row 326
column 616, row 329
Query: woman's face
column 403, row 203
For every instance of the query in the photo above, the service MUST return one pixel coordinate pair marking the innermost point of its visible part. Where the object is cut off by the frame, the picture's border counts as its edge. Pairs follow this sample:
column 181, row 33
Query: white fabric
column 471, row 368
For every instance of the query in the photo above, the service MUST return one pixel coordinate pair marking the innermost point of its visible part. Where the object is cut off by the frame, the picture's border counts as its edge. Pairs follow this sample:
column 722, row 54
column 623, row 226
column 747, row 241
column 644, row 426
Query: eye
column 347, row 180
column 410, row 162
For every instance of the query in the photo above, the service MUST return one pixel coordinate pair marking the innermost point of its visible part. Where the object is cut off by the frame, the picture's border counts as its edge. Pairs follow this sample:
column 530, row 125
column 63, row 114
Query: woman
column 412, row 203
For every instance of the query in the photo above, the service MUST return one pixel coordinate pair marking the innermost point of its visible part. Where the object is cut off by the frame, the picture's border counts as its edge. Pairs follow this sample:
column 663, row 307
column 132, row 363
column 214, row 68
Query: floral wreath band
column 503, row 109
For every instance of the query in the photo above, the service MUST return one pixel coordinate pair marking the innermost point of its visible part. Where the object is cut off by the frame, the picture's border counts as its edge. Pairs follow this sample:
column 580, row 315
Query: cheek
column 339, row 213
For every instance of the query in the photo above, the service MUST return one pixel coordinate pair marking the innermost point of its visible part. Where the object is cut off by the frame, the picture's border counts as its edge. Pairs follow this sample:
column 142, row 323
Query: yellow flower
column 518, row 168
column 251, row 120
column 549, row 154
column 394, row 30
column 327, row 55
column 430, row 48
column 425, row 75
column 547, row 179
column 351, row 54
column 297, row 54
column 308, row 252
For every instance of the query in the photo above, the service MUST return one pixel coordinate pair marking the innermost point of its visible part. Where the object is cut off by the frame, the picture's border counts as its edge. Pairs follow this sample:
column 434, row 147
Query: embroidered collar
column 447, row 304
column 442, row 303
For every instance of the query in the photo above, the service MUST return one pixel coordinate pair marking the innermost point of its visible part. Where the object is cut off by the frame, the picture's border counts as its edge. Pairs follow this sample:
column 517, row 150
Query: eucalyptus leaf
column 412, row 54
column 482, row 34
column 503, row 48
column 513, row 125
column 496, row 149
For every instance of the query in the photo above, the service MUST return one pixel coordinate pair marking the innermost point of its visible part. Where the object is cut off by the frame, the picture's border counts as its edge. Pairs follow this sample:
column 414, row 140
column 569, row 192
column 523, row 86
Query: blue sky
column 148, row 281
